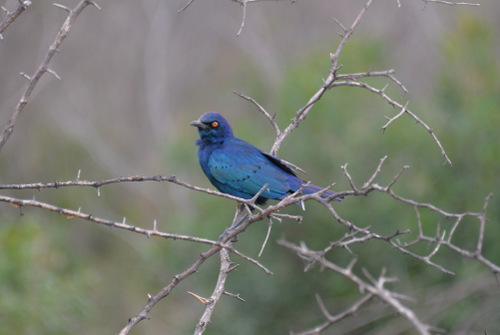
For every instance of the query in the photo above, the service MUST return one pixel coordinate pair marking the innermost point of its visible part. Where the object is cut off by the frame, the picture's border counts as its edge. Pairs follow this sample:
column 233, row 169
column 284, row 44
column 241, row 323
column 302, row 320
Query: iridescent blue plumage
column 238, row 168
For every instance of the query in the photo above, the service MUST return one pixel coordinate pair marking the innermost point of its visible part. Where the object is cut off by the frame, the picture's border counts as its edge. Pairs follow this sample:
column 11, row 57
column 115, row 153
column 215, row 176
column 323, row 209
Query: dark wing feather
column 241, row 169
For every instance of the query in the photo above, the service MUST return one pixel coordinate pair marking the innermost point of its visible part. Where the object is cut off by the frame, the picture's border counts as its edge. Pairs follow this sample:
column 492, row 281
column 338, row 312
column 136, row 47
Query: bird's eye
column 215, row 124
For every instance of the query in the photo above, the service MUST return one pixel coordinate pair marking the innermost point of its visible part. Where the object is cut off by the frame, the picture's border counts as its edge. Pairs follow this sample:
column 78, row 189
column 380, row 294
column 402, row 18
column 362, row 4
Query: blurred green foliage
column 42, row 282
column 54, row 283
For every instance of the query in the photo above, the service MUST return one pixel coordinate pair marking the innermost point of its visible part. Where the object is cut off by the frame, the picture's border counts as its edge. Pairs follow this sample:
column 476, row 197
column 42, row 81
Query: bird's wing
column 241, row 167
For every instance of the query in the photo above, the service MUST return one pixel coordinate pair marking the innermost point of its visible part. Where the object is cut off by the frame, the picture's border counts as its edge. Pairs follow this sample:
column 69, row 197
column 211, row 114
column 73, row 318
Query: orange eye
column 215, row 124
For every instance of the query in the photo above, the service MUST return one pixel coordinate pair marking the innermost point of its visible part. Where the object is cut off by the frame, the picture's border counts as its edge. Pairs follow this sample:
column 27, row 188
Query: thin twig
column 395, row 104
column 43, row 67
column 377, row 288
column 12, row 16
column 332, row 319
column 244, row 16
column 262, row 110
column 304, row 111
column 451, row 3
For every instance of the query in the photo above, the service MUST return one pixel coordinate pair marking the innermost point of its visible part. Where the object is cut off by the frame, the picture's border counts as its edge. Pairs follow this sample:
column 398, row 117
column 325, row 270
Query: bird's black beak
column 198, row 124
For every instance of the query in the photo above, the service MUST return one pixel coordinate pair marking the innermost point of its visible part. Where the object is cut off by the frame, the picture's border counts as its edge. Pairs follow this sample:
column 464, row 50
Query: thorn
column 124, row 221
column 204, row 301
column 52, row 72
column 5, row 10
column 1, row 37
column 78, row 175
column 303, row 205
column 149, row 297
column 340, row 25
column 93, row 3
column 25, row 4
column 98, row 192
column 25, row 76
column 67, row 9
column 154, row 225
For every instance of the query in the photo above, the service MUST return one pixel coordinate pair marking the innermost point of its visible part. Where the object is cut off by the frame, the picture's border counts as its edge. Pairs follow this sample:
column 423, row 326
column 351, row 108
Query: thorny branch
column 12, row 16
column 332, row 319
column 354, row 234
column 335, row 79
column 304, row 111
column 381, row 92
column 374, row 287
column 225, row 268
column 44, row 66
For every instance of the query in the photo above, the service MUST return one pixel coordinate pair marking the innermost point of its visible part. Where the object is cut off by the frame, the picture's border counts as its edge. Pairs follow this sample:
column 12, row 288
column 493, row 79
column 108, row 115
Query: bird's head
column 213, row 127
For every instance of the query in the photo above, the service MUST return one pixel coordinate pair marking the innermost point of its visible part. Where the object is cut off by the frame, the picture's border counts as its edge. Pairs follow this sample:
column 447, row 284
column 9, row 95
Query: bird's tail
column 309, row 189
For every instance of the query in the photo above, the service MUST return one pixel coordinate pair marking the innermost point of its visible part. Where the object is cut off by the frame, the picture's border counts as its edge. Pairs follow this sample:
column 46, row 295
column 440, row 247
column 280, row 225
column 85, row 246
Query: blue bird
column 238, row 168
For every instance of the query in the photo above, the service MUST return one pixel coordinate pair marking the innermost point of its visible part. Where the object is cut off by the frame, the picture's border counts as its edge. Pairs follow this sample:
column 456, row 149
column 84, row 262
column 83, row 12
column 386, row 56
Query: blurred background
column 137, row 72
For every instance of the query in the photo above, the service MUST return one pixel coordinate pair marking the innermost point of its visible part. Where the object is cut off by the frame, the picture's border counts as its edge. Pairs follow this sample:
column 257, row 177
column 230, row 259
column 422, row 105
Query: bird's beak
column 198, row 124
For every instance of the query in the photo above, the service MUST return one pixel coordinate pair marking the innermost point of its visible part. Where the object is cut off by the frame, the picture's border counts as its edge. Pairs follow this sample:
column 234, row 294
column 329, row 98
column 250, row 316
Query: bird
column 238, row 168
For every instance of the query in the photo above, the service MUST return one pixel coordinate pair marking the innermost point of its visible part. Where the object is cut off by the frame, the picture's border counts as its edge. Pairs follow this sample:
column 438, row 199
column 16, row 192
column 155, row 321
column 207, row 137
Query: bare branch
column 185, row 6
column 451, row 3
column 153, row 300
column 225, row 268
column 262, row 110
column 12, row 16
column 43, row 67
column 403, row 110
column 236, row 296
column 395, row 105
column 304, row 111
column 377, row 288
column 347, row 34
column 129, row 179
column 269, row 227
column 244, row 16
column 251, row 260
column 332, row 319
column 68, row 213
column 375, row 174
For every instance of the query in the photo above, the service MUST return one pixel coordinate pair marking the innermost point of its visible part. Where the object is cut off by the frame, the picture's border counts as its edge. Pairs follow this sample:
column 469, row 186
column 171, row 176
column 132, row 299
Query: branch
column 439, row 239
column 12, row 16
column 332, row 319
column 243, row 3
column 346, row 80
column 304, row 111
column 129, row 179
column 395, row 104
column 262, row 110
column 450, row 3
column 153, row 300
column 44, row 66
column 225, row 268
column 70, row 214
column 376, row 287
